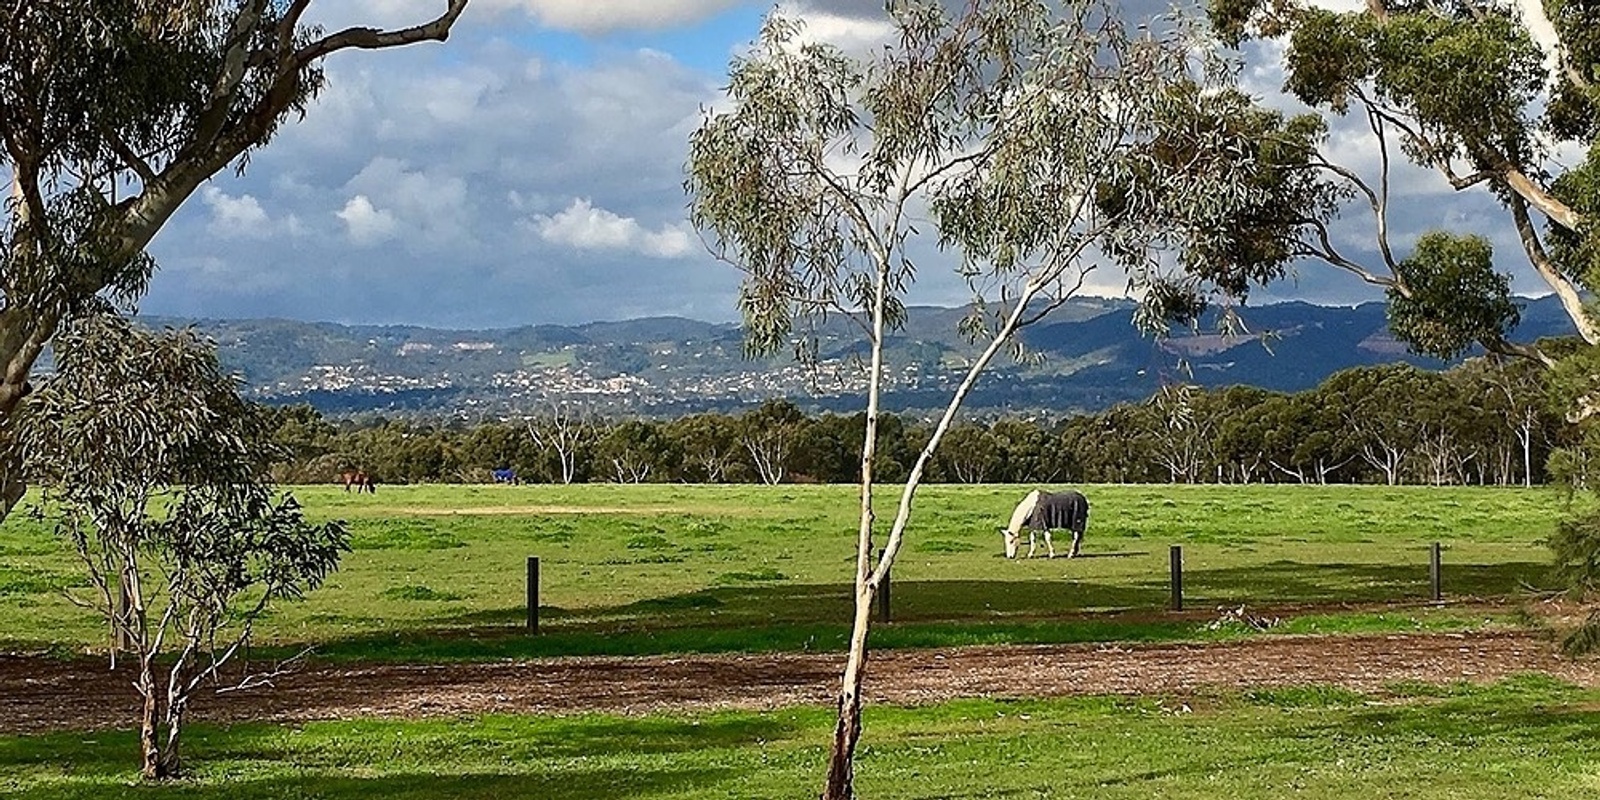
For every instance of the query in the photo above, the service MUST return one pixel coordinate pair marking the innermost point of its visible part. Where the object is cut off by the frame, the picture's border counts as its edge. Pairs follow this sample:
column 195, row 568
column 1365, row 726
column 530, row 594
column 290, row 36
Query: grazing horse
column 1042, row 512
column 359, row 479
column 505, row 475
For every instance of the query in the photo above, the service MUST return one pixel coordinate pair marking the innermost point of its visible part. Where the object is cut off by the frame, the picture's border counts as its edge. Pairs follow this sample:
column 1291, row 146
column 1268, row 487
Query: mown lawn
column 438, row 571
column 1525, row 738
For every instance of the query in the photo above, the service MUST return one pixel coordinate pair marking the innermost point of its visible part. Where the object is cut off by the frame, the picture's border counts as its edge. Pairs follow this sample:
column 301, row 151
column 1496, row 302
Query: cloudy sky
column 529, row 171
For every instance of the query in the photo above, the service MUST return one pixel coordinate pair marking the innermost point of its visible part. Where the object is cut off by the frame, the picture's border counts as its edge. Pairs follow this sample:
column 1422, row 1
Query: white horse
column 1042, row 512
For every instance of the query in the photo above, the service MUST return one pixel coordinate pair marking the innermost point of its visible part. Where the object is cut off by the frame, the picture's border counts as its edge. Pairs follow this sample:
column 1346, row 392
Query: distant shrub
column 649, row 541
column 418, row 593
column 944, row 546
column 762, row 575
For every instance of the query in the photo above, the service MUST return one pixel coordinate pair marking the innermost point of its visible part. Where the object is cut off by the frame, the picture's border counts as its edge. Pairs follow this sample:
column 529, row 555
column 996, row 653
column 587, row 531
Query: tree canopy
column 1032, row 137
column 1494, row 96
column 112, row 113
column 157, row 473
column 1468, row 91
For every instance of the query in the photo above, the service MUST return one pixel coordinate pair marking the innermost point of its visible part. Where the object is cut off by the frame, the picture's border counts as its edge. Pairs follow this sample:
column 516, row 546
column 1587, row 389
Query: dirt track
column 41, row 695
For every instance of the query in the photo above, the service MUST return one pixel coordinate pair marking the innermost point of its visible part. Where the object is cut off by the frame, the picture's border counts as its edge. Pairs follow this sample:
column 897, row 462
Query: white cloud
column 388, row 14
column 241, row 217
column 586, row 227
column 430, row 202
column 366, row 224
column 604, row 16
column 850, row 32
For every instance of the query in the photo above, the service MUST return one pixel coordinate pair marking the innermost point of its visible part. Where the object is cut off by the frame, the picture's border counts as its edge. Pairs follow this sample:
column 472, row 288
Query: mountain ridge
column 1089, row 356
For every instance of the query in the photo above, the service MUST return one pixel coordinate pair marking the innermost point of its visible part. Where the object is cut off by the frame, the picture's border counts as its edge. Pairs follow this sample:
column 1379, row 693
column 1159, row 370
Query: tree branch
column 373, row 39
column 235, row 62
column 129, row 158
column 291, row 21
column 1332, row 256
column 1563, row 286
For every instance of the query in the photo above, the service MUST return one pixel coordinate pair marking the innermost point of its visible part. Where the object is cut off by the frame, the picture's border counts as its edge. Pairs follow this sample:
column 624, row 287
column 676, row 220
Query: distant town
column 664, row 367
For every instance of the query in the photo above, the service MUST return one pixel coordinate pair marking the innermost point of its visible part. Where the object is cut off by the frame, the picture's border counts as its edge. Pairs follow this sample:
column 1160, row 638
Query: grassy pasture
column 438, row 571
column 1527, row 738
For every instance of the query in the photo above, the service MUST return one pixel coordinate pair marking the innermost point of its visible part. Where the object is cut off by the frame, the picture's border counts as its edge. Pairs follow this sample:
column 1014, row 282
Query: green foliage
column 1329, row 56
column 1453, row 298
column 1236, row 235
column 1465, row 80
column 753, row 176
column 156, row 473
column 1574, row 110
column 1576, row 547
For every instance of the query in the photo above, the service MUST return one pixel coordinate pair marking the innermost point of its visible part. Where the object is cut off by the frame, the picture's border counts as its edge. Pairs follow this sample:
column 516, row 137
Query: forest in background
column 1482, row 422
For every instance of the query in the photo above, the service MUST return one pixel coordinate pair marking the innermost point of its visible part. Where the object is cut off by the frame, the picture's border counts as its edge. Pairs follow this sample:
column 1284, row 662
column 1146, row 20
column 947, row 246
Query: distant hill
column 1087, row 356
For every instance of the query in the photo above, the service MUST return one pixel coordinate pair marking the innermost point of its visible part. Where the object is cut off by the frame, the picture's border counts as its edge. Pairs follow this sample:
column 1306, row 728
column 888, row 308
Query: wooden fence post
column 1436, row 572
column 533, row 594
column 1177, row 577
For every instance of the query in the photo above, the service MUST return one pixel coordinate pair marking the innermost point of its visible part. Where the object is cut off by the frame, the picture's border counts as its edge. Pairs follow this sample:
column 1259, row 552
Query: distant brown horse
column 359, row 479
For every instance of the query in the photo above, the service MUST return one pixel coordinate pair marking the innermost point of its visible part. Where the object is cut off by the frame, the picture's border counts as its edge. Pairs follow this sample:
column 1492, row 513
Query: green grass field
column 1525, row 738
column 438, row 571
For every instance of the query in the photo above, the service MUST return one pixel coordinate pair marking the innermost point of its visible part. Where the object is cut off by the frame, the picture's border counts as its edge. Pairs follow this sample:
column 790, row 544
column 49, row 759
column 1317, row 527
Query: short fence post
column 883, row 594
column 1177, row 577
column 1436, row 572
column 533, row 594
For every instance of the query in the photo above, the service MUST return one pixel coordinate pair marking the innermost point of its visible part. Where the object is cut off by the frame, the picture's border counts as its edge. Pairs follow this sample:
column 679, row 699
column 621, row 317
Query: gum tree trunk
column 840, row 782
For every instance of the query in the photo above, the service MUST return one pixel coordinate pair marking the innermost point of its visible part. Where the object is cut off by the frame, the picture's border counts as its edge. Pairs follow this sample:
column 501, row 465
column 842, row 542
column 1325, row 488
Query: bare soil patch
column 39, row 694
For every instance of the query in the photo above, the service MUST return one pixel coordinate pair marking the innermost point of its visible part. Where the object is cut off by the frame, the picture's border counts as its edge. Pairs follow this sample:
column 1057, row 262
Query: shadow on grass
column 333, row 742
column 565, row 758
column 1293, row 581
column 427, row 784
column 577, row 784
column 1470, row 724
column 800, row 617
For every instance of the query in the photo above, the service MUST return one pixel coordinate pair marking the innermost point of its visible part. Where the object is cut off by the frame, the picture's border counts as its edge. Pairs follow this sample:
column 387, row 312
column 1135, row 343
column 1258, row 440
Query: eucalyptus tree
column 1028, row 451
column 1183, row 432
column 1377, row 407
column 157, row 474
column 112, row 113
column 1494, row 96
column 636, row 451
column 1513, row 398
column 825, row 447
column 566, row 434
column 1465, row 89
column 1306, row 435
column 710, row 446
column 1240, row 445
column 970, row 454
column 1024, row 136
column 768, row 434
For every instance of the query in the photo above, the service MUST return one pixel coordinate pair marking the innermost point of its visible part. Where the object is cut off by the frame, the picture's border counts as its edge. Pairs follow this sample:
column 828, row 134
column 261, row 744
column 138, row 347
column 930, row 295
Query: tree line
column 1480, row 423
